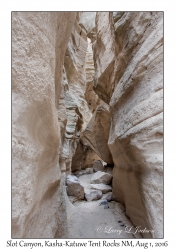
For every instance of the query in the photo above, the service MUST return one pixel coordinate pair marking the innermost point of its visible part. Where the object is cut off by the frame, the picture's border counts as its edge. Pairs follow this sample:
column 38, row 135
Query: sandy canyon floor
column 89, row 219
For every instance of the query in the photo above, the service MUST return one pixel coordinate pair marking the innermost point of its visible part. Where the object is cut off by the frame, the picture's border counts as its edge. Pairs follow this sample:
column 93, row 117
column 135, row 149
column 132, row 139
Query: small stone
column 101, row 177
column 106, row 206
column 83, row 172
column 122, row 225
column 103, row 202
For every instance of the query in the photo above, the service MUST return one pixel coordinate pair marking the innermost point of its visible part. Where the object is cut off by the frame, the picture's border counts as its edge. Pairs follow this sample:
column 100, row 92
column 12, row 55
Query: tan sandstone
column 129, row 77
column 39, row 42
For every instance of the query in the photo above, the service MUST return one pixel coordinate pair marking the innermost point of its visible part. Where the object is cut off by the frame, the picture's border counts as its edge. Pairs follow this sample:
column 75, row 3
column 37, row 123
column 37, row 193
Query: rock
column 128, row 60
column 98, row 166
column 80, row 98
column 96, row 133
column 104, row 57
column 106, row 206
column 73, row 125
column 83, row 158
column 92, row 195
column 75, row 68
column 104, row 188
column 91, row 97
column 122, row 225
column 73, row 109
column 74, row 188
column 83, row 171
column 71, row 179
column 108, row 197
column 103, row 202
column 38, row 49
column 87, row 19
column 101, row 177
column 64, row 103
column 109, row 168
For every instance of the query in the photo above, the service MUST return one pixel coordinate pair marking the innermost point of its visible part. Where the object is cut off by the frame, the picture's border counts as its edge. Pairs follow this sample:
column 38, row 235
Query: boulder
column 98, row 166
column 74, row 188
column 108, row 197
column 84, row 171
column 96, row 133
column 101, row 177
column 70, row 179
column 102, row 187
column 92, row 195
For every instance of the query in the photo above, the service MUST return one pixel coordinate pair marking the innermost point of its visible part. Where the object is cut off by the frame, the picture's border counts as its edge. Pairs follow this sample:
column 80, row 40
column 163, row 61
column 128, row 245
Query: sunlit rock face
column 128, row 59
column 39, row 43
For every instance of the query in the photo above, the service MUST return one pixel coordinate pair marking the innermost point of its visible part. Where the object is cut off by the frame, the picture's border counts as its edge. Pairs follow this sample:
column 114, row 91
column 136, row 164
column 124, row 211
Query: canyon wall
column 52, row 71
column 39, row 43
column 77, row 82
column 80, row 98
column 86, row 86
column 128, row 59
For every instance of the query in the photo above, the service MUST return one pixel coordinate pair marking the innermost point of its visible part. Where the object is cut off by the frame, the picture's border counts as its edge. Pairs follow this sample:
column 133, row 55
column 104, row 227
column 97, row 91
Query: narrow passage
column 91, row 219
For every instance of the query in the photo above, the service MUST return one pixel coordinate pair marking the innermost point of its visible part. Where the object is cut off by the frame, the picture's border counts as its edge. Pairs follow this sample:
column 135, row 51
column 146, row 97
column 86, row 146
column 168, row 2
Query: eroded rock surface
column 85, row 87
column 83, row 158
column 96, row 133
column 75, row 67
column 74, row 188
column 87, row 20
column 98, row 166
column 129, row 77
column 38, row 203
column 91, row 97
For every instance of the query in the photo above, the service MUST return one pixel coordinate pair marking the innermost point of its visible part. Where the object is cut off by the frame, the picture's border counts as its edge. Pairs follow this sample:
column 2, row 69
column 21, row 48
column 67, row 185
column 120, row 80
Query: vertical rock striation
column 72, row 127
column 39, row 42
column 128, row 59
column 80, row 98
column 69, row 110
column 75, row 68
column 91, row 97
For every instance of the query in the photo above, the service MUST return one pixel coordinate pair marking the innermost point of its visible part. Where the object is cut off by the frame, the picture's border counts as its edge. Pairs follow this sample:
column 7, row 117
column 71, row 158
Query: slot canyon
column 87, row 125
